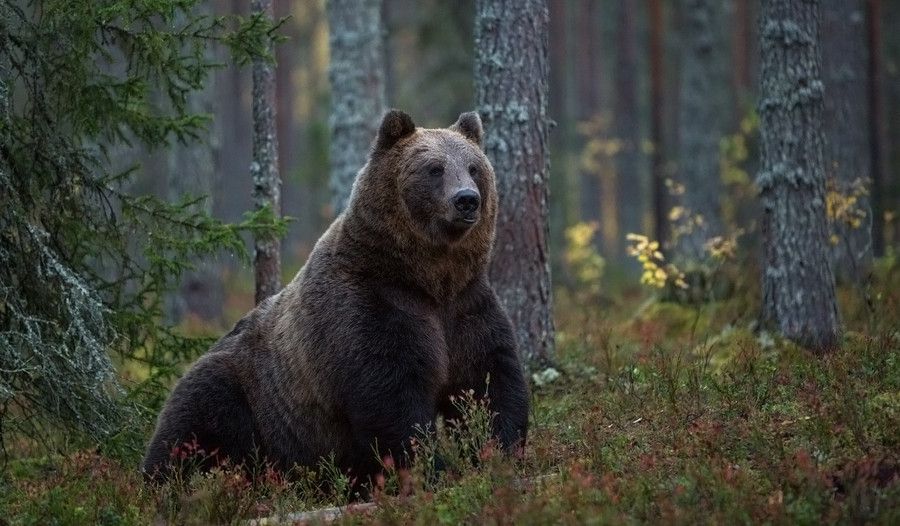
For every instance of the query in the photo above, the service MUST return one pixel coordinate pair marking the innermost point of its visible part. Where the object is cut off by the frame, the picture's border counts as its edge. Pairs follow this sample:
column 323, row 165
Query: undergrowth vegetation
column 661, row 412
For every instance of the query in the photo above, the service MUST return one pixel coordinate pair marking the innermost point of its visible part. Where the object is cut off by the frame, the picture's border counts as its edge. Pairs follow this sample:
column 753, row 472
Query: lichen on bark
column 511, row 90
column 264, row 168
column 356, row 74
column 798, row 283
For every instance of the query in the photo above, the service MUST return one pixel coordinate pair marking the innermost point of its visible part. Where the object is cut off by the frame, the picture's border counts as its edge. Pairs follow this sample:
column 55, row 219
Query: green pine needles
column 84, row 263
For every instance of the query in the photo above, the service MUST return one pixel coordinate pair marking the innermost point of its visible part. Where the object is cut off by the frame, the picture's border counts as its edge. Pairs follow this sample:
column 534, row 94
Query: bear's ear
column 469, row 125
column 394, row 126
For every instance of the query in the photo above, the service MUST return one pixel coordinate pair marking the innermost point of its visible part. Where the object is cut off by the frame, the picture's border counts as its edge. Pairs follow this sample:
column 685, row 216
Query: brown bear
column 391, row 316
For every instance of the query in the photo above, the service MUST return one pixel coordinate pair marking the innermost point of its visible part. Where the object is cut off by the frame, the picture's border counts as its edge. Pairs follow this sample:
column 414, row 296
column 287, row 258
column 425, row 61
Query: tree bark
column 657, row 113
column 356, row 73
column 703, row 106
column 741, row 48
column 387, row 24
column 848, row 157
column 264, row 168
column 511, row 76
column 798, row 283
column 877, row 125
column 627, row 178
column 587, row 73
column 889, row 13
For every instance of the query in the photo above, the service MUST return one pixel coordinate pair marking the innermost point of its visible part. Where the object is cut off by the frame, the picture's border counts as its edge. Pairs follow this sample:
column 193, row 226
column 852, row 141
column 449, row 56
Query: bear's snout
column 466, row 202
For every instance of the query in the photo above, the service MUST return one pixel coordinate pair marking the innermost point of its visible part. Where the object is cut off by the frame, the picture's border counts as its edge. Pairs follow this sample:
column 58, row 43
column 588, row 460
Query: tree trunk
column 877, row 125
column 5, row 90
column 848, row 157
column 587, row 74
column 511, row 75
column 703, row 107
column 890, row 114
column 286, row 58
column 264, row 168
column 657, row 113
column 740, row 48
column 798, row 284
column 627, row 177
column 390, row 82
column 356, row 72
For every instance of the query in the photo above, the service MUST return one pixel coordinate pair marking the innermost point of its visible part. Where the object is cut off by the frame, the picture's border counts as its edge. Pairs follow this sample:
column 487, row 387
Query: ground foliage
column 84, row 264
column 662, row 412
column 664, row 405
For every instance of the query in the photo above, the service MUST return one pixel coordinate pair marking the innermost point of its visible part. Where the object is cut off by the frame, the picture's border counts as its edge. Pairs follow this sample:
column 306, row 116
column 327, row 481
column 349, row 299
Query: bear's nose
column 466, row 200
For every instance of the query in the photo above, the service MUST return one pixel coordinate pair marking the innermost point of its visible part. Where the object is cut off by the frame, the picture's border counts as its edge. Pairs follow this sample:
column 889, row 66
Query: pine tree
column 511, row 76
column 356, row 72
column 84, row 265
column 798, row 284
column 264, row 168
column 191, row 171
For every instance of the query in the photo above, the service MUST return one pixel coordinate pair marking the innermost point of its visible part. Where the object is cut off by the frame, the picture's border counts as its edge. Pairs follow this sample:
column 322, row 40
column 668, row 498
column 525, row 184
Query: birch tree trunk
column 356, row 72
column 848, row 157
column 701, row 121
column 264, row 168
column 798, row 284
column 511, row 85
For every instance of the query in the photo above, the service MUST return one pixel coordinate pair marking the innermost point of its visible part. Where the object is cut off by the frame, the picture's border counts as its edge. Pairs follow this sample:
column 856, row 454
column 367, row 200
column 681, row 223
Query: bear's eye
column 473, row 170
column 436, row 171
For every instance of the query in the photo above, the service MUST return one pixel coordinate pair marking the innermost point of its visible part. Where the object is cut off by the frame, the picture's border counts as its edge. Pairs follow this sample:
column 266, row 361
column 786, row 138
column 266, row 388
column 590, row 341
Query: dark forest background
column 719, row 341
column 612, row 128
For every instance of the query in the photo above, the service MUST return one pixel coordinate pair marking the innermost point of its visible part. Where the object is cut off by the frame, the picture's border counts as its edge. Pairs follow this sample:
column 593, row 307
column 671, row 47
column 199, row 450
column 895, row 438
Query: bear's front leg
column 383, row 424
column 394, row 366
column 507, row 390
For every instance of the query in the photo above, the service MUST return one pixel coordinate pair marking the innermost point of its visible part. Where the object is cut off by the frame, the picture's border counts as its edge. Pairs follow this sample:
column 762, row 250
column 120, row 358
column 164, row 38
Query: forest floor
column 660, row 412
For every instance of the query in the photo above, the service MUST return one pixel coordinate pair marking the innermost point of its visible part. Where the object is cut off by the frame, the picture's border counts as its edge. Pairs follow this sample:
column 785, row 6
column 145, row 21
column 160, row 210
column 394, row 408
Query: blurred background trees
column 602, row 169
column 127, row 146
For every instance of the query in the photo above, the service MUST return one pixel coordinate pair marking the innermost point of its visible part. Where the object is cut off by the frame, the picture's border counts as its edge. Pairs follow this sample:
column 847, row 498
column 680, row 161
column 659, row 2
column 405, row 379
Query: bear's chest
column 465, row 335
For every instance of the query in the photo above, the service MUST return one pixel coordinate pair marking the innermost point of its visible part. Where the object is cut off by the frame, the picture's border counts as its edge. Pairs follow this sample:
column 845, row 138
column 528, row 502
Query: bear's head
column 431, row 187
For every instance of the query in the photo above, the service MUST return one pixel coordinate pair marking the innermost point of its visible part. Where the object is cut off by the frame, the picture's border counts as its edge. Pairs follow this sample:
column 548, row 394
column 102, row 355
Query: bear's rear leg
column 207, row 409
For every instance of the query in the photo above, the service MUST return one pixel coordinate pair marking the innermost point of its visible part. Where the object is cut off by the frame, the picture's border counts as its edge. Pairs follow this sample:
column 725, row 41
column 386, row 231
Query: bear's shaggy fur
column 391, row 315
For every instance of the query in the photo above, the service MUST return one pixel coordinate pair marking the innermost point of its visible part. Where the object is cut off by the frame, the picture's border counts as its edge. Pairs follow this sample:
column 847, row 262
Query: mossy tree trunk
column 511, row 90
column 798, row 283
column 848, row 157
column 356, row 73
column 703, row 109
column 264, row 168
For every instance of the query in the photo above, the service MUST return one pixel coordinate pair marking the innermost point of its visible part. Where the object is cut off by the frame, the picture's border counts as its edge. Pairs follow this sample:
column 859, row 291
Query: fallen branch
column 322, row 515
column 327, row 515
